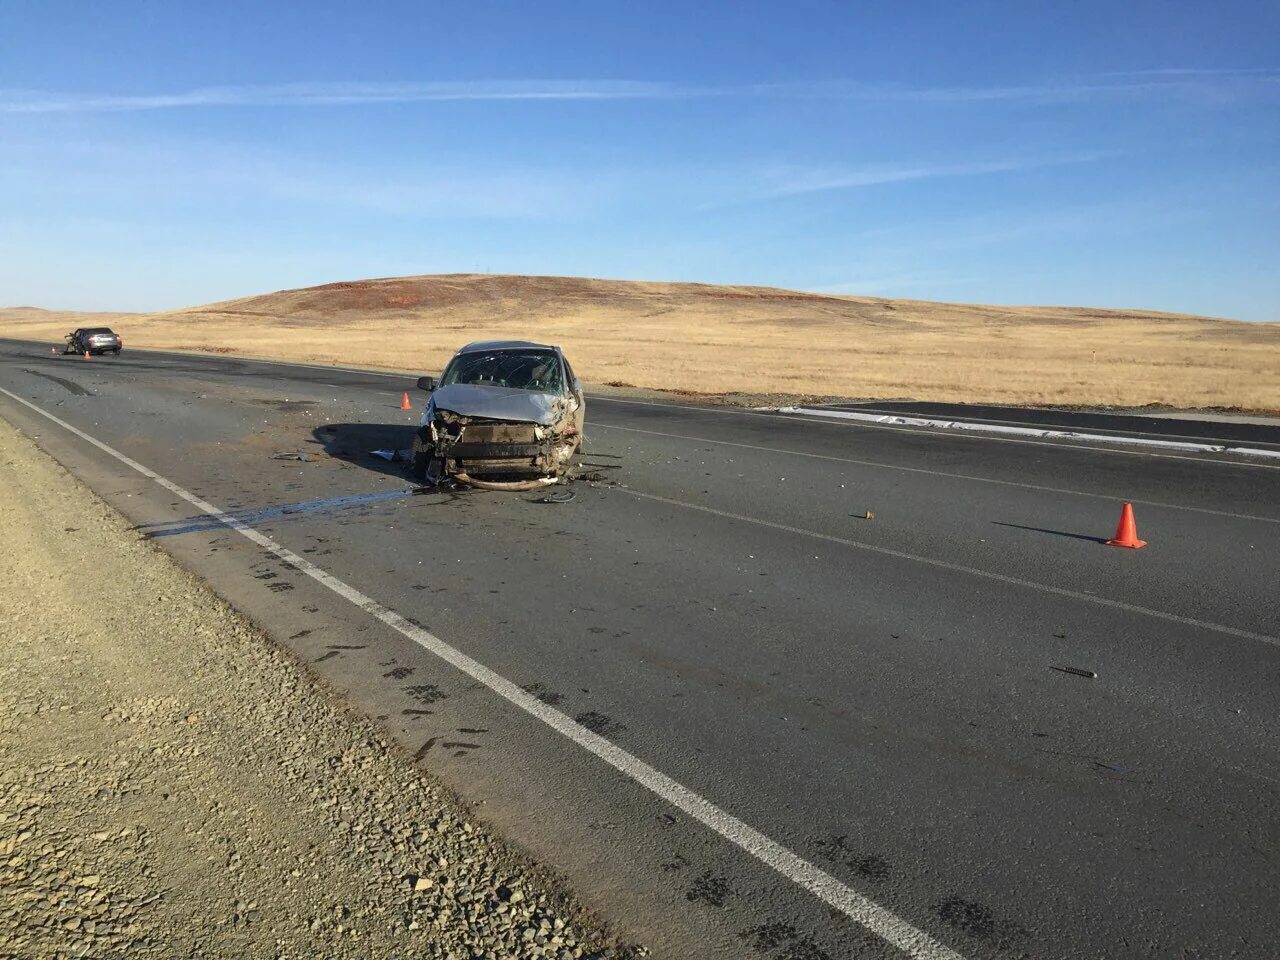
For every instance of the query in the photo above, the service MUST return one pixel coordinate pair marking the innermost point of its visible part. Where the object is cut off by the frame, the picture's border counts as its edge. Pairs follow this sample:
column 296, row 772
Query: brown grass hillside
column 720, row 339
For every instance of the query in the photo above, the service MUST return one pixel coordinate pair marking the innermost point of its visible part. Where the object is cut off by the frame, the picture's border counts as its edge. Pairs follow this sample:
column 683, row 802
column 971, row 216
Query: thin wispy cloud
column 1169, row 82
column 339, row 94
column 1166, row 82
column 779, row 182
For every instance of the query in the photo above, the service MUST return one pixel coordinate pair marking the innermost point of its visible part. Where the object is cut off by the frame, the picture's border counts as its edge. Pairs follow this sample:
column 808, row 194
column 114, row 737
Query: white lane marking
column 959, row 568
column 980, row 427
column 932, row 473
column 882, row 922
column 868, row 407
column 1057, row 444
column 762, row 412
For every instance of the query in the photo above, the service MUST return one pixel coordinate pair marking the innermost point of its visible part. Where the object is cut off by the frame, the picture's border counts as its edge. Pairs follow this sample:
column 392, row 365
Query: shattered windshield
column 518, row 369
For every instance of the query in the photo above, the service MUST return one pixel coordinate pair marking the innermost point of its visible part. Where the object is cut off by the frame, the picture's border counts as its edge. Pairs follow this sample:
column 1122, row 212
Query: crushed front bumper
column 494, row 454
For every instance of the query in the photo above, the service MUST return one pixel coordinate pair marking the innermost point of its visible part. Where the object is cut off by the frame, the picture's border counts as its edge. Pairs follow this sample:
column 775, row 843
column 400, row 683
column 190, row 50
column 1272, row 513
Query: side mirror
column 427, row 383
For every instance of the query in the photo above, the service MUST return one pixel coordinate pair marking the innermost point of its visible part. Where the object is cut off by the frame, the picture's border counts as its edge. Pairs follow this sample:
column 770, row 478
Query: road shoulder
column 175, row 784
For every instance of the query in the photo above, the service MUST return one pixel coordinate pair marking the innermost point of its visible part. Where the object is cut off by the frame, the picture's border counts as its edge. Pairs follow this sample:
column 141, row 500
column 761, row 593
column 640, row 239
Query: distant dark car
column 94, row 340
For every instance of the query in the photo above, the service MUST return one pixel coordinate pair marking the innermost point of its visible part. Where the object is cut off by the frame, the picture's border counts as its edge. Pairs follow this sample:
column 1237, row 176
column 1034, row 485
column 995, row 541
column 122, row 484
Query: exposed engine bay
column 498, row 454
column 506, row 416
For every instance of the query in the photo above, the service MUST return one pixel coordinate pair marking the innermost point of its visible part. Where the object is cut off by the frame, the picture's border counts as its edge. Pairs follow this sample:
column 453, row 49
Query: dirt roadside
column 174, row 785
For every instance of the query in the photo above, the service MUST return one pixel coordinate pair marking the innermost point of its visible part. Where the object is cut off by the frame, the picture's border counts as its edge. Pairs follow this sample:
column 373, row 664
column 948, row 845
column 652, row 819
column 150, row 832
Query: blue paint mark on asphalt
column 172, row 528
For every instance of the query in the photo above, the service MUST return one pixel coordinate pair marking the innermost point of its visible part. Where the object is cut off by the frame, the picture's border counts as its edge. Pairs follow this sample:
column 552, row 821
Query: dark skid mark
column 399, row 673
column 870, row 866
column 977, row 920
column 300, row 634
column 68, row 385
column 328, row 656
column 967, row 915
column 413, row 712
column 279, row 587
column 426, row 693
column 805, row 949
column 549, row 697
column 600, row 723
column 425, row 748
column 344, row 646
column 770, row 936
column 473, row 729
column 709, row 889
column 775, row 935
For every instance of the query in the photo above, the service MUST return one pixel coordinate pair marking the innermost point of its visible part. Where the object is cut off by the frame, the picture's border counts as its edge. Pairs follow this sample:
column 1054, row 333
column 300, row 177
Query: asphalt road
column 874, row 698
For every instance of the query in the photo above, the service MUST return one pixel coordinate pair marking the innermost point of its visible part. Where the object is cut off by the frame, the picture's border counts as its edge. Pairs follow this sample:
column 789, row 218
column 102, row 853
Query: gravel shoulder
column 172, row 784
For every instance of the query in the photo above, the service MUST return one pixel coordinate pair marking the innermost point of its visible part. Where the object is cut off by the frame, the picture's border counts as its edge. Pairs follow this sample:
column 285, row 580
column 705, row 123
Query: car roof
column 506, row 345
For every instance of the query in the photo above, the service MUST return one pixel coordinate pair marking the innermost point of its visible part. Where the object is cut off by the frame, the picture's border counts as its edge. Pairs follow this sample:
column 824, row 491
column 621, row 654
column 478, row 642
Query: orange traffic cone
column 404, row 402
column 1127, row 531
column 86, row 354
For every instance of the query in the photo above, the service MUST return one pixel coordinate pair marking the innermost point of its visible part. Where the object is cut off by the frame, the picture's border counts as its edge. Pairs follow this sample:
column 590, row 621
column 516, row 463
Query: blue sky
column 164, row 154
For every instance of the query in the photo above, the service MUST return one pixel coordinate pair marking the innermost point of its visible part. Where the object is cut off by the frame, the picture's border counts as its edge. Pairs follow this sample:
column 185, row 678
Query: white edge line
column 845, row 414
column 597, row 425
column 959, row 568
column 883, row 923
column 889, row 419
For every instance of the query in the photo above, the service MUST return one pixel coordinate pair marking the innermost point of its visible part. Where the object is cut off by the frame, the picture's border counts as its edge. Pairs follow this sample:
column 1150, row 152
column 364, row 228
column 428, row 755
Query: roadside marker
column 404, row 401
column 86, row 354
column 1127, row 531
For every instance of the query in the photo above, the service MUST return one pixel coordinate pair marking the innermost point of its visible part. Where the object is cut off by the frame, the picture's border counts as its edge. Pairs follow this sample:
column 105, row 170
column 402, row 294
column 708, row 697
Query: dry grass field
column 718, row 339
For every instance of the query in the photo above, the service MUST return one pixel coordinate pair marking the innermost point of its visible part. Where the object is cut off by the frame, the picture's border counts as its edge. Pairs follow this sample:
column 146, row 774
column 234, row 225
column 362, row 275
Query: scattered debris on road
column 286, row 455
column 175, row 785
column 559, row 496
column 1076, row 671
column 391, row 456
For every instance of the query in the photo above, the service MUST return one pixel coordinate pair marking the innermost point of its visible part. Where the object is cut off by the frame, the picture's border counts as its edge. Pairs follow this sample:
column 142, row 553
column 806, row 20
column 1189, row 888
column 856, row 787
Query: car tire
column 420, row 458
column 419, row 464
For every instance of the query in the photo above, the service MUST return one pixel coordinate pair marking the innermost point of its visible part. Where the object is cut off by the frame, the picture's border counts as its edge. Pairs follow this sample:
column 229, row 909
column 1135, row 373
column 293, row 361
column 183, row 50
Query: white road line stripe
column 869, row 407
column 980, row 427
column 721, row 410
column 1060, row 445
column 959, row 568
column 883, row 923
column 932, row 473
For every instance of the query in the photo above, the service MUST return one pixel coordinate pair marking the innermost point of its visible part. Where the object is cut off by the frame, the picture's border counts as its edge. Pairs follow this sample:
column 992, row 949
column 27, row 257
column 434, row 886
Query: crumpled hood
column 497, row 403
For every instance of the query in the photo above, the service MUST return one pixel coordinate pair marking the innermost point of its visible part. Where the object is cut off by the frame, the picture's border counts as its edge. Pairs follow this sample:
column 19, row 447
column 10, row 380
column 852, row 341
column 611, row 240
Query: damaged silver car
column 505, row 415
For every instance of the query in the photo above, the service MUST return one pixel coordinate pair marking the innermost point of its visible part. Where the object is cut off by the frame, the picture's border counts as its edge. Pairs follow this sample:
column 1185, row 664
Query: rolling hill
column 725, row 339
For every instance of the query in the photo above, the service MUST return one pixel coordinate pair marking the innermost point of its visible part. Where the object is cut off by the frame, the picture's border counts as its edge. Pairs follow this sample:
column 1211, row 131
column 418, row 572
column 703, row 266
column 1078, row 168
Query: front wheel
column 420, row 460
